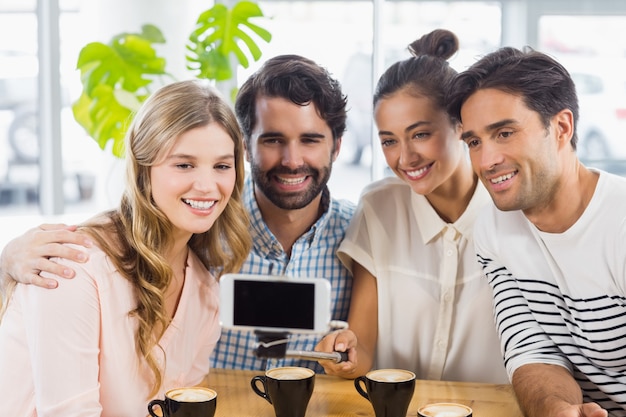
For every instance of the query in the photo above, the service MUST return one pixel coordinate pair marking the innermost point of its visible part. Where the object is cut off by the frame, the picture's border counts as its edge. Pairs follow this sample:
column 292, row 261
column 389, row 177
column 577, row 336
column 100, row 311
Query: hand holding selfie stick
column 273, row 345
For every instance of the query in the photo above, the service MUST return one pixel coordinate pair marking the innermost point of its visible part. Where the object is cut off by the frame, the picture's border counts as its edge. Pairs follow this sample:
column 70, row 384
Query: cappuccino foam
column 445, row 410
column 390, row 375
column 290, row 373
column 191, row 395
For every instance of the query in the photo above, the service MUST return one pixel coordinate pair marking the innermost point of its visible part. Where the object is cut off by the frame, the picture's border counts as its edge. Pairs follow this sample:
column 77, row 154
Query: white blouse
column 435, row 314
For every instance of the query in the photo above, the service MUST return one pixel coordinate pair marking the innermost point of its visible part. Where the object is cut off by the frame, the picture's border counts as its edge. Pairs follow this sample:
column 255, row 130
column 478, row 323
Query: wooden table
column 335, row 397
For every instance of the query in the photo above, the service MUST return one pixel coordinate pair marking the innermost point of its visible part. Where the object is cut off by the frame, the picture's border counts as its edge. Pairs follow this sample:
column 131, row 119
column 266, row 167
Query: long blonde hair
column 6, row 289
column 138, row 233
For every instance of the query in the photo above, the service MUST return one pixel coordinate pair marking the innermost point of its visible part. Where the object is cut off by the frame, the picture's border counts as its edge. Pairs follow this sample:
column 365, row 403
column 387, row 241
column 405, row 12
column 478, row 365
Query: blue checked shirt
column 314, row 254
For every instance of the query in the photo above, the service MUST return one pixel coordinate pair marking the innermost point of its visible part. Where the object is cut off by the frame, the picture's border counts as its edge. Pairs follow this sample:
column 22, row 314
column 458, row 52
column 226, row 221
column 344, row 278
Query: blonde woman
column 142, row 318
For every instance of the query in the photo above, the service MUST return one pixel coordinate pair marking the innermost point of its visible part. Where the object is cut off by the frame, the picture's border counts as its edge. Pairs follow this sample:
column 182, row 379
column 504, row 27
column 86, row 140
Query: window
column 340, row 35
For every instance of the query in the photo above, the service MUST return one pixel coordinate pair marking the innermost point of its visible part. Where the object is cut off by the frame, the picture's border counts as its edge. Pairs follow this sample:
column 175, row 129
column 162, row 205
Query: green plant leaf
column 115, row 79
column 215, row 66
column 104, row 117
column 152, row 33
column 80, row 109
column 242, row 12
column 219, row 32
column 127, row 61
column 117, row 76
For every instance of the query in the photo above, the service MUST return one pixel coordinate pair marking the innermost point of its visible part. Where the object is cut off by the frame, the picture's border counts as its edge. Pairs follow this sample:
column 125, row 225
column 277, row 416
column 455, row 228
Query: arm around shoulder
column 24, row 257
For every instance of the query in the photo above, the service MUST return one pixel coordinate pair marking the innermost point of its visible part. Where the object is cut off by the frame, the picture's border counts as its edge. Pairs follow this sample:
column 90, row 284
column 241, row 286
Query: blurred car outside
column 601, row 88
column 19, row 137
column 356, row 83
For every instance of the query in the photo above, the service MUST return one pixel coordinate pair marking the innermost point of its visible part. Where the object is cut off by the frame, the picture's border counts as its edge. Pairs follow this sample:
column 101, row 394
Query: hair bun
column 440, row 43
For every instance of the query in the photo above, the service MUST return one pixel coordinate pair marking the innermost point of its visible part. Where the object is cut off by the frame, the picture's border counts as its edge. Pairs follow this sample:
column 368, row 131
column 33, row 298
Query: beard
column 264, row 181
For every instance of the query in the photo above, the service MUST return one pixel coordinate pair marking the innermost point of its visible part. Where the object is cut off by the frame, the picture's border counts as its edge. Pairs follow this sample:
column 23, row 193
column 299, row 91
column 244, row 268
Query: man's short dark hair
column 545, row 86
column 299, row 80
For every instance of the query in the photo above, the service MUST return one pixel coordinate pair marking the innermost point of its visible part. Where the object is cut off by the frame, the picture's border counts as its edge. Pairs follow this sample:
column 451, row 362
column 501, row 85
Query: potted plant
column 117, row 77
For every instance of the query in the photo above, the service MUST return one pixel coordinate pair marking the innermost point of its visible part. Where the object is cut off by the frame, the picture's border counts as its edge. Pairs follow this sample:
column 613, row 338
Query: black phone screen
column 274, row 304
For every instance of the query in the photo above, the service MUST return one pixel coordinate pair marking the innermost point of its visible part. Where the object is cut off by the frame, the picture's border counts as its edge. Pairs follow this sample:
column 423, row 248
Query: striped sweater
column 561, row 298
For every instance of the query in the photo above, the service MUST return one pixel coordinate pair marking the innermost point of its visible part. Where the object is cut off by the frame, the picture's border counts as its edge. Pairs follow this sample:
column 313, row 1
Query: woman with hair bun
column 420, row 301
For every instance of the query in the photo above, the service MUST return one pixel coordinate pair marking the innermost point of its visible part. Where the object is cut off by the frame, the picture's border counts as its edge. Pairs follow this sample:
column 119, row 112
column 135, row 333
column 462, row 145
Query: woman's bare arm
column 360, row 339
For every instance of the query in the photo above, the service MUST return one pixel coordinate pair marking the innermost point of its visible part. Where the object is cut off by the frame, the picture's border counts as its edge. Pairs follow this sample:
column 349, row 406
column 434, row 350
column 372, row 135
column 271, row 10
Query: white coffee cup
column 290, row 373
column 191, row 394
column 444, row 410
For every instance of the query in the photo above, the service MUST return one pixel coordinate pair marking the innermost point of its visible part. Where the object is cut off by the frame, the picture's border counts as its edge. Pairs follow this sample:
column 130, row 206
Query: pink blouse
column 71, row 351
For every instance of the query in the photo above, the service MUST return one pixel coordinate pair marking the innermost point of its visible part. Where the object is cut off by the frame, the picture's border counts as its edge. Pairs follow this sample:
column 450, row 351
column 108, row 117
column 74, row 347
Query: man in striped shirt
column 554, row 246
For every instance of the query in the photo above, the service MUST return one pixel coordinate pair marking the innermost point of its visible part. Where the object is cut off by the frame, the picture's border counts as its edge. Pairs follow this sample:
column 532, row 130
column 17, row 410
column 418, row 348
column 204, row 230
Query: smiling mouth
column 502, row 178
column 418, row 172
column 290, row 181
column 199, row 205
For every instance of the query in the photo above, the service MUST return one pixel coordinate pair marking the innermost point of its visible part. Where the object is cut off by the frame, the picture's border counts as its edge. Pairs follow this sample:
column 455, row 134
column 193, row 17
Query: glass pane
column 476, row 24
column 19, row 139
column 19, row 147
column 337, row 35
column 598, row 68
column 83, row 160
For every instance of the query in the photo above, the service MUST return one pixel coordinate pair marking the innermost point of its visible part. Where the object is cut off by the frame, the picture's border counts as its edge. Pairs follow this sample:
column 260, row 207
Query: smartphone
column 275, row 303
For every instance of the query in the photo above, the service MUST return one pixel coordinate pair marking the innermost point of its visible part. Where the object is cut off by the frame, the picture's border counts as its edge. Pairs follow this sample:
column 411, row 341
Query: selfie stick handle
column 274, row 345
column 271, row 344
column 316, row 356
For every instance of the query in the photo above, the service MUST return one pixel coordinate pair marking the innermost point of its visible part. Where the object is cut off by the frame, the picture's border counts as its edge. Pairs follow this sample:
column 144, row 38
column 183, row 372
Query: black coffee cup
column 388, row 390
column 186, row 402
column 444, row 409
column 288, row 389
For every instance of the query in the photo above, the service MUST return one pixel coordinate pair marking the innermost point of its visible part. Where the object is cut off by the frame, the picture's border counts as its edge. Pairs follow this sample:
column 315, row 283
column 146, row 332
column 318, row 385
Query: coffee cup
column 388, row 390
column 444, row 410
column 186, row 402
column 288, row 389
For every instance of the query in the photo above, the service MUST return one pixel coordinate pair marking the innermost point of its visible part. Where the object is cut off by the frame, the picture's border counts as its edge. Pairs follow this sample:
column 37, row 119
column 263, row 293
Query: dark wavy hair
column 299, row 80
column 541, row 81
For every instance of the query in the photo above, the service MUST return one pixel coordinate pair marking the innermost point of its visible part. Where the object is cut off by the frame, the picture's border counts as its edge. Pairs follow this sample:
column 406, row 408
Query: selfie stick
column 316, row 356
column 273, row 345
